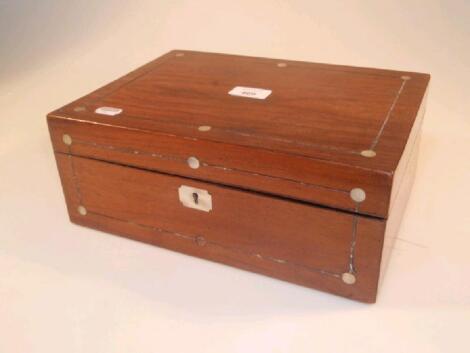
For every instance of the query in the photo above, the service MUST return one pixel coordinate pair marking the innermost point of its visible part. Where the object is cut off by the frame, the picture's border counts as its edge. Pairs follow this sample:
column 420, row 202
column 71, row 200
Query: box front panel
column 290, row 176
column 320, row 248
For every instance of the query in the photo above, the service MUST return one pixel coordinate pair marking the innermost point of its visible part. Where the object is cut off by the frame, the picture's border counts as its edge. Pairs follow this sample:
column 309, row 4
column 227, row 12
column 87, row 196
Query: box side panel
column 401, row 172
column 401, row 193
column 403, row 180
column 292, row 241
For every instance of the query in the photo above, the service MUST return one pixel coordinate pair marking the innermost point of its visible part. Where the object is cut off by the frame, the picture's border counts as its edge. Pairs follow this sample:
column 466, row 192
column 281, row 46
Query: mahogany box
column 290, row 169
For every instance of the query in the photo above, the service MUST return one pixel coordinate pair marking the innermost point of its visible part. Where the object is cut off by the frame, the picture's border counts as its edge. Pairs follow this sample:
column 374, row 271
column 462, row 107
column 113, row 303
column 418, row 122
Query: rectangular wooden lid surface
column 335, row 127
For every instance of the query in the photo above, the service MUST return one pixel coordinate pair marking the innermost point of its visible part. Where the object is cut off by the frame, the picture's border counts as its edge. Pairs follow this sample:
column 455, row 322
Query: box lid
column 324, row 134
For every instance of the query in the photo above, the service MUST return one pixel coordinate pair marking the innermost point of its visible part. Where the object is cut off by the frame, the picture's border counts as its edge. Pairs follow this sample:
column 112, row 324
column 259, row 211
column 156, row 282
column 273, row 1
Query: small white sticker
column 250, row 92
column 108, row 111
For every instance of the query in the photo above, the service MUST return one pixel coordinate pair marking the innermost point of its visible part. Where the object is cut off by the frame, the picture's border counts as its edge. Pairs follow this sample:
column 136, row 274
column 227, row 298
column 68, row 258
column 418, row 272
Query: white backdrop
column 69, row 289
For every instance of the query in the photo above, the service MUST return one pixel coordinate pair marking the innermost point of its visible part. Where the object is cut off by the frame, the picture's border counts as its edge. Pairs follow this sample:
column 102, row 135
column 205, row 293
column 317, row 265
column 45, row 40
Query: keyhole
column 195, row 197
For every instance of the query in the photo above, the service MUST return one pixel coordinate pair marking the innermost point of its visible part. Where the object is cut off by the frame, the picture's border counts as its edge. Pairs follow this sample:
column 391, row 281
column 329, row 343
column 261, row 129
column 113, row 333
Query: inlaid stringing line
column 74, row 176
column 353, row 244
column 230, row 248
column 273, row 177
column 389, row 114
column 226, row 169
column 244, row 134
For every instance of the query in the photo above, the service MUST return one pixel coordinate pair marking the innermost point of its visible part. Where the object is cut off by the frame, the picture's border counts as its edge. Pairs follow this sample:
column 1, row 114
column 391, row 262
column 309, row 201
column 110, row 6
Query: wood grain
column 279, row 171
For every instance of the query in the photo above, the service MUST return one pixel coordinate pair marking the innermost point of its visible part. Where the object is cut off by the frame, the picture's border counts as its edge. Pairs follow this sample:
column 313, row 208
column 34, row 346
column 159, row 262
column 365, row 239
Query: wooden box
column 290, row 169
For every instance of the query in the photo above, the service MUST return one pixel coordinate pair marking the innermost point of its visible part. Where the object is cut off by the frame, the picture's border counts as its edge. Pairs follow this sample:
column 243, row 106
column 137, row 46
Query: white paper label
column 250, row 92
column 108, row 111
